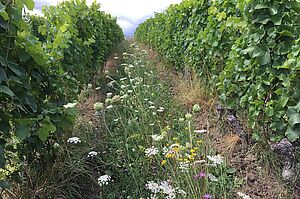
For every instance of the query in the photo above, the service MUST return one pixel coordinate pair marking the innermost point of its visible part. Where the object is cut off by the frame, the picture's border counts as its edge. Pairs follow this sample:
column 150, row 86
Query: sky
column 129, row 13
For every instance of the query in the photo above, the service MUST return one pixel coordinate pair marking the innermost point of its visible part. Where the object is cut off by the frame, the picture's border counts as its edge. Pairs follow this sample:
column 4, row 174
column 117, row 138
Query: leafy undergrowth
column 152, row 146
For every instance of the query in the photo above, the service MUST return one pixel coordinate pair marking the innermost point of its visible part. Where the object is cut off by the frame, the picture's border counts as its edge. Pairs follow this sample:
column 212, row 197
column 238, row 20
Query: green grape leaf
column 3, row 13
column 6, row 90
column 22, row 131
column 29, row 4
column 45, row 131
column 291, row 134
column 3, row 76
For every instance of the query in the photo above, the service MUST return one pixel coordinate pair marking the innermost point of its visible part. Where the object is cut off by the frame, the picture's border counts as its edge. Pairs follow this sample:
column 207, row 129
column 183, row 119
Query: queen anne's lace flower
column 74, row 140
column 151, row 151
column 152, row 186
column 212, row 178
column 157, row 137
column 70, row 105
column 217, row 159
column 103, row 180
column 92, row 154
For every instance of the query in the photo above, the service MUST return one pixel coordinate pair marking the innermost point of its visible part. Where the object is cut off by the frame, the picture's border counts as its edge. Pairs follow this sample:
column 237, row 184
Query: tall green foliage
column 248, row 48
column 44, row 62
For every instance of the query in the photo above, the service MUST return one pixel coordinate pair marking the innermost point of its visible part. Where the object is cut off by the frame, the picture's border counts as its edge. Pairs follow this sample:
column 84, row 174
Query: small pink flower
column 199, row 175
column 207, row 196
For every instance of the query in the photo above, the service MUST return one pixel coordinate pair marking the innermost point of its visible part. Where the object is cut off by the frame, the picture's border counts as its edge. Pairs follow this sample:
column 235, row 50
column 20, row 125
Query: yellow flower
column 199, row 141
column 170, row 155
column 191, row 158
column 175, row 139
column 194, row 154
column 175, row 149
column 192, row 150
column 180, row 159
column 163, row 162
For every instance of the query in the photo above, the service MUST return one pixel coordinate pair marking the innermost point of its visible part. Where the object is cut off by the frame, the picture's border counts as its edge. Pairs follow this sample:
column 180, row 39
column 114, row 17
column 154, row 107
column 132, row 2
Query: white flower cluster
column 151, row 151
column 212, row 178
column 74, row 140
column 103, row 180
column 243, row 196
column 70, row 105
column 165, row 188
column 157, row 137
column 216, row 160
column 92, row 154
column 184, row 167
column 161, row 109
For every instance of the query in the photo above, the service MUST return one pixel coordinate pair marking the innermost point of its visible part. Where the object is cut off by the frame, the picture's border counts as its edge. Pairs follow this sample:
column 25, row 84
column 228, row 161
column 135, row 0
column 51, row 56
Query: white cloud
column 128, row 12
column 125, row 25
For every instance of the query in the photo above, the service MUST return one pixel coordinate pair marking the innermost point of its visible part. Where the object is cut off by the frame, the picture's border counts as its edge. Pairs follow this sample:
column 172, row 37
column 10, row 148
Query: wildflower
column 170, row 155
column 243, row 196
column 181, row 120
column 200, row 131
column 152, row 186
column 200, row 175
column 157, row 137
column 116, row 57
column 196, row 108
column 98, row 106
column 70, row 105
column 151, row 151
column 188, row 116
column 184, row 167
column 212, row 178
column 130, row 91
column 161, row 109
column 92, row 154
column 123, row 79
column 199, row 162
column 74, row 140
column 108, row 101
column 56, row 145
column 109, row 107
column 98, row 88
column 108, row 95
column 217, row 159
column 151, row 124
column 199, row 141
column 166, row 188
column 90, row 86
column 207, row 196
column 103, row 180
column 152, row 107
column 163, row 162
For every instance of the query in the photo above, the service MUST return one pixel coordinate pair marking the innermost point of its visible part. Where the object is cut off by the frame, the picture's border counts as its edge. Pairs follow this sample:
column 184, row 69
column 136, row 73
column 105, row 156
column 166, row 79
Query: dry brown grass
column 190, row 92
column 228, row 142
